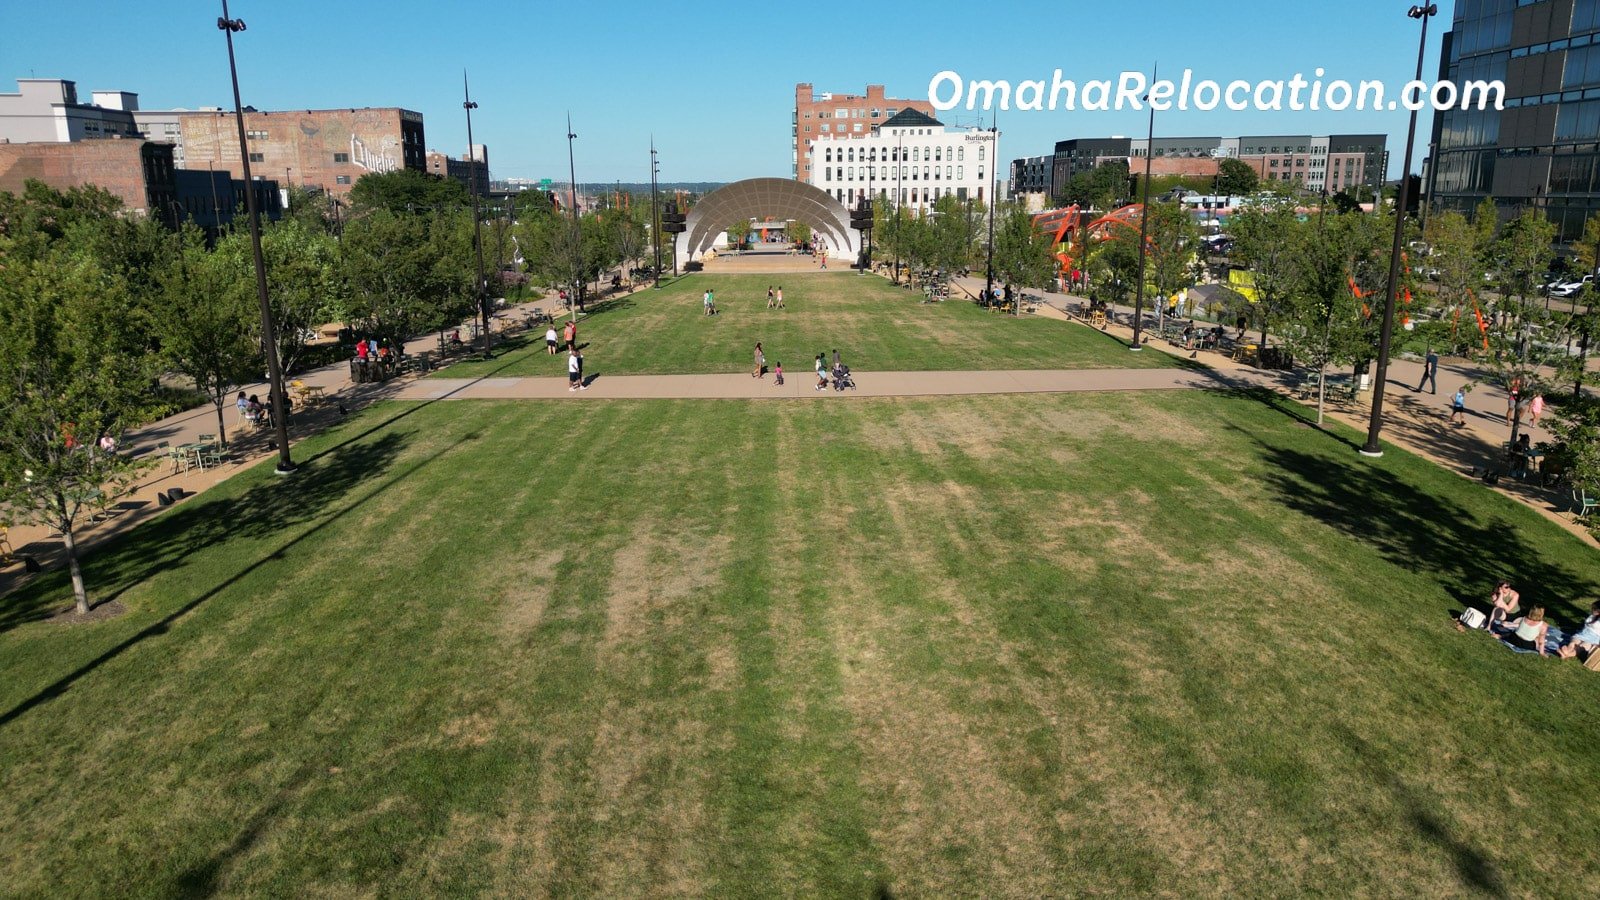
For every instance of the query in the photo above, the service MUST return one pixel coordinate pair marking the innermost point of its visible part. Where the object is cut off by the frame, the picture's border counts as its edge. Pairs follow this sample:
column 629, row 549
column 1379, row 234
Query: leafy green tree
column 406, row 274
column 1114, row 263
column 1098, row 188
column 1236, row 179
column 737, row 231
column 1324, row 323
column 407, row 190
column 206, row 327
column 1170, row 263
column 303, row 280
column 1458, row 254
column 68, row 378
column 949, row 235
column 1521, row 254
column 800, row 232
column 627, row 240
column 1575, row 425
column 1022, row 256
column 1263, row 240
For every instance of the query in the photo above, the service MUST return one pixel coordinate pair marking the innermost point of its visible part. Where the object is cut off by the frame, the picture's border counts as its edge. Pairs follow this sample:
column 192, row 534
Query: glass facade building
column 1543, row 149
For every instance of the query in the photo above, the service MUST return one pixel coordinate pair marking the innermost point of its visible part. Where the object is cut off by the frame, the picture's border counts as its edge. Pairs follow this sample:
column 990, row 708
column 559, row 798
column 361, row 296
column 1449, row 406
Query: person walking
column 761, row 362
column 777, row 373
column 1430, row 372
column 569, row 333
column 772, row 298
column 836, row 358
column 822, row 373
column 1458, row 407
column 705, row 302
column 550, row 340
column 1513, row 398
column 780, row 296
column 1536, row 407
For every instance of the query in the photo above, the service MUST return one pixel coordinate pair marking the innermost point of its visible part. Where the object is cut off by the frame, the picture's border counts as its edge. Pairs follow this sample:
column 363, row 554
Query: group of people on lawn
column 1529, row 632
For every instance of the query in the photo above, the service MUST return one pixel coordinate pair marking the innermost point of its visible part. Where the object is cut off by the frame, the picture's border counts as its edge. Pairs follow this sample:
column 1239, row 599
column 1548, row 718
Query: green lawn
column 874, row 326
column 1131, row 644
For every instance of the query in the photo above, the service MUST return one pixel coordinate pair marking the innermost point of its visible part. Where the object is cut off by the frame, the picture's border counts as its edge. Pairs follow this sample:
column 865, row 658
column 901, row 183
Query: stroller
column 842, row 379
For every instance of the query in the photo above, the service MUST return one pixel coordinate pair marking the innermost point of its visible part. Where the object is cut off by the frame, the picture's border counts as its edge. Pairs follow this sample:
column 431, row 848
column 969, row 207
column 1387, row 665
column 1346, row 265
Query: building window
column 959, row 173
column 850, row 174
column 947, row 171
column 961, row 154
column 341, row 179
column 341, row 157
column 980, row 154
column 916, row 154
column 824, row 126
column 257, row 157
column 256, row 135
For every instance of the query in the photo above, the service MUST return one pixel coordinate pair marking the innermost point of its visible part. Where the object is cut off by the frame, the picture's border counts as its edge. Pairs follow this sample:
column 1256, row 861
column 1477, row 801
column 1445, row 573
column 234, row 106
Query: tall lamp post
column 655, row 209
column 477, row 220
column 1144, row 221
column 899, row 193
column 988, row 266
column 577, row 226
column 269, row 338
column 1375, row 424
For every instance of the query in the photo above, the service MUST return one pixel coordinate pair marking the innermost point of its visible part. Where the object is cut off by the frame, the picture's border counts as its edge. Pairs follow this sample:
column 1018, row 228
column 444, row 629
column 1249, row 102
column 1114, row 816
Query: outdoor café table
column 192, row 452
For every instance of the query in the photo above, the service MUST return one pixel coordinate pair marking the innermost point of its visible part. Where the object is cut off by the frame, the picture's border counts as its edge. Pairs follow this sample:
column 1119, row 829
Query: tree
column 407, row 190
column 1521, row 254
column 738, row 230
column 949, row 235
column 1458, row 248
column 1170, row 262
column 1022, row 255
column 1576, row 428
column 1324, row 321
column 627, row 239
column 1098, row 188
column 800, row 232
column 406, row 274
column 1263, row 240
column 67, row 380
column 207, row 328
column 1235, row 178
column 303, row 281
column 1583, row 324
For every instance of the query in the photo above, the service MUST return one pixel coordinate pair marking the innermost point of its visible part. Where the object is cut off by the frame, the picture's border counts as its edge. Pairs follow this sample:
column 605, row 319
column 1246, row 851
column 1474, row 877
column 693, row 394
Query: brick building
column 316, row 148
column 138, row 172
column 838, row 116
column 473, row 173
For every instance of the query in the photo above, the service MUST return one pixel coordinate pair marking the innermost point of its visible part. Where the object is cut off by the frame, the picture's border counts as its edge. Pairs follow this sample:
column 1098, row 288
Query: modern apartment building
column 1543, row 149
column 910, row 160
column 1337, row 162
column 819, row 117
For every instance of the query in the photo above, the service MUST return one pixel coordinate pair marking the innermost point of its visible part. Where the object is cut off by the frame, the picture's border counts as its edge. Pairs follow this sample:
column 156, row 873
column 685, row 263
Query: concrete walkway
column 802, row 384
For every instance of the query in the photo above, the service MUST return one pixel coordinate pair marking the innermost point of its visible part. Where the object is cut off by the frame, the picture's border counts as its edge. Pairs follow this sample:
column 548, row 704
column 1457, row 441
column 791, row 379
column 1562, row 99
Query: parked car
column 1570, row 288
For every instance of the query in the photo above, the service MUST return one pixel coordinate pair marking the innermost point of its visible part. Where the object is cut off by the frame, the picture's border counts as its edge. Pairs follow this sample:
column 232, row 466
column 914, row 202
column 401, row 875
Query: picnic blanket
column 1553, row 639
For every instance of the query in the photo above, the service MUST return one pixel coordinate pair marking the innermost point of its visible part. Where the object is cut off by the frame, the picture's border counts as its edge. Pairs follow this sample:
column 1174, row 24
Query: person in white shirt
column 574, row 370
column 550, row 339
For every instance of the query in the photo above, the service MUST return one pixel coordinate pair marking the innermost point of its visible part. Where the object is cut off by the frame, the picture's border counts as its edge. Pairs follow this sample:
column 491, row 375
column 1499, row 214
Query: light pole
column 899, row 193
column 988, row 266
column 577, row 227
column 477, row 220
column 655, row 209
column 269, row 339
column 1144, row 220
column 1375, row 425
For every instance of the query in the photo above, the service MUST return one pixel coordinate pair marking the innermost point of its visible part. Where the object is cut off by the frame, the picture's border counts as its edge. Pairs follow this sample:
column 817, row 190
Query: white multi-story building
column 46, row 110
column 910, row 160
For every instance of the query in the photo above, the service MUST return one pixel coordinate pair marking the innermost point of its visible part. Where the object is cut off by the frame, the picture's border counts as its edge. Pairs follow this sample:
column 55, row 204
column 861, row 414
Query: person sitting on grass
column 1587, row 639
column 1528, row 632
column 1503, row 605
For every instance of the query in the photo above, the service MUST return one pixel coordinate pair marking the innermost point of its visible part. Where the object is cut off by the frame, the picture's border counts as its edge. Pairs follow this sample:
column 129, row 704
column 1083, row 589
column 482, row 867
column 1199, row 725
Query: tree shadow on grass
column 1471, row 863
column 274, row 513
column 204, row 879
column 1464, row 550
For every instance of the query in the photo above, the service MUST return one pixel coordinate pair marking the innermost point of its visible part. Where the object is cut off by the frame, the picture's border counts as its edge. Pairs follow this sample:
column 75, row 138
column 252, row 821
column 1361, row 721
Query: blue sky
column 714, row 82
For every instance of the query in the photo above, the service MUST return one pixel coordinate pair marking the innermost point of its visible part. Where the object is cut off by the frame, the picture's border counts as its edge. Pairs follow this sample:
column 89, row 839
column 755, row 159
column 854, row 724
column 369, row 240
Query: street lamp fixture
column 269, row 340
column 477, row 220
column 577, row 226
column 1144, row 222
column 1386, row 332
